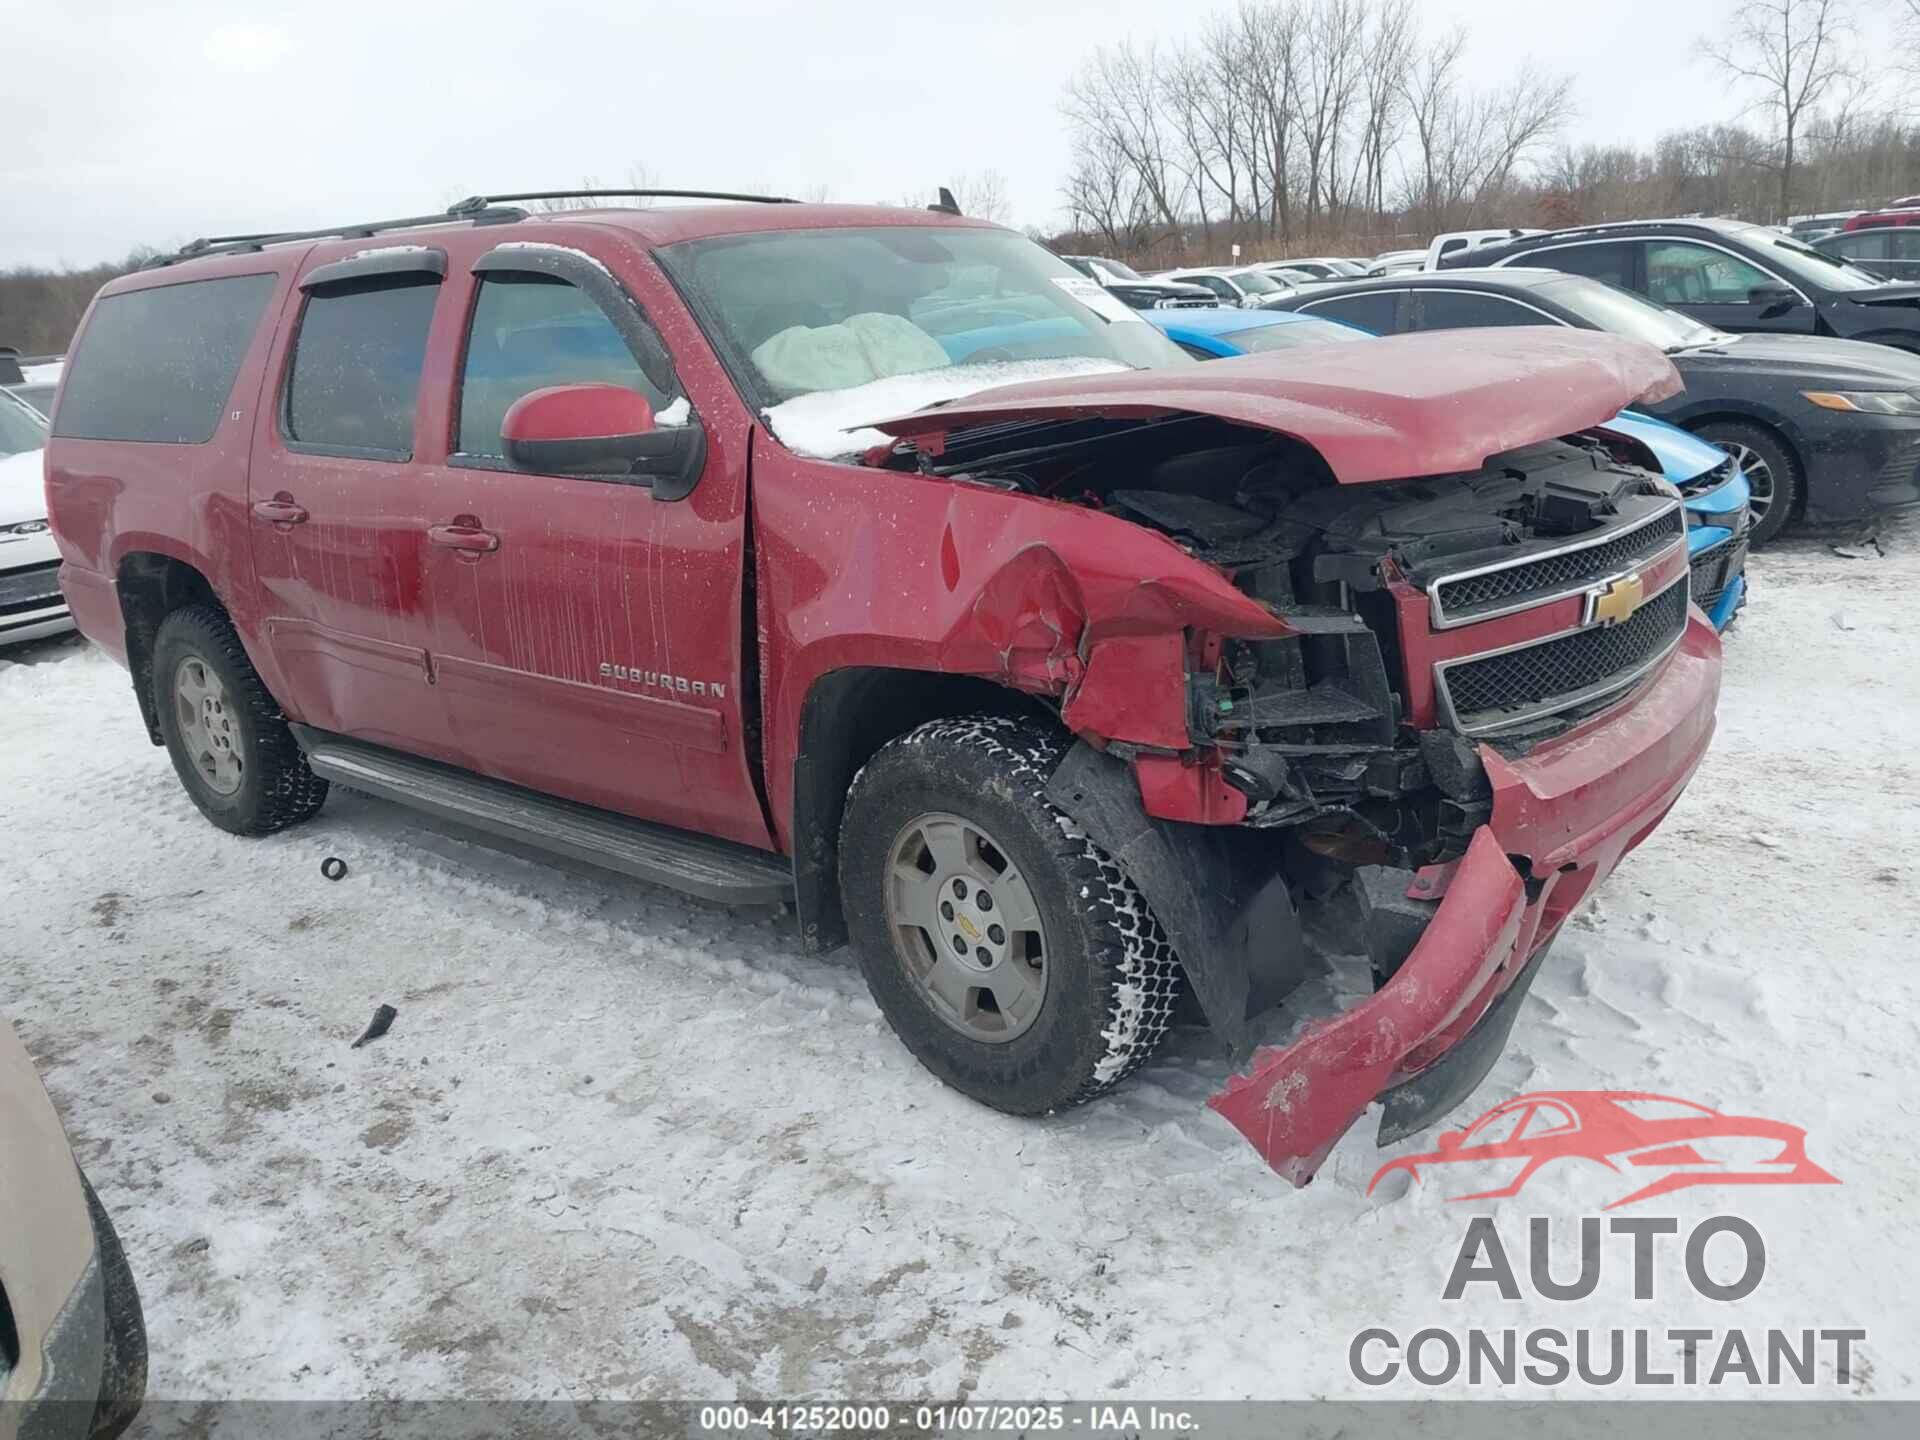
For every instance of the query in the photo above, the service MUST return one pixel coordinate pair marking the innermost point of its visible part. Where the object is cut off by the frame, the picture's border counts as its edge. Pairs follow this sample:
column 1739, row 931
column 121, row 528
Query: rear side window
column 1458, row 310
column 355, row 380
column 1372, row 311
column 158, row 365
column 1611, row 263
column 1866, row 245
column 530, row 331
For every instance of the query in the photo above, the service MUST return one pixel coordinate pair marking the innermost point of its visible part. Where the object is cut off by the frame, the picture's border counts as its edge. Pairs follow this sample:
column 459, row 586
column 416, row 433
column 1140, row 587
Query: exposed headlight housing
column 1866, row 402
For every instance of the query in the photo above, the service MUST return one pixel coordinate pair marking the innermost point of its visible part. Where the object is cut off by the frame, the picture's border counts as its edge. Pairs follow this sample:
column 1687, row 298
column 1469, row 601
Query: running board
column 699, row 865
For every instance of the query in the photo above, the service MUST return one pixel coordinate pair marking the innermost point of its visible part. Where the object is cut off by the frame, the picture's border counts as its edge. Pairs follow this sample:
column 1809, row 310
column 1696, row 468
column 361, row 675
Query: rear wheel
column 1772, row 470
column 231, row 746
column 1006, row 949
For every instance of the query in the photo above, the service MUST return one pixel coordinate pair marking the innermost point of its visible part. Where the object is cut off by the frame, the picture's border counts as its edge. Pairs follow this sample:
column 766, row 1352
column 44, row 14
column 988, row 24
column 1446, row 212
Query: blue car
column 1710, row 483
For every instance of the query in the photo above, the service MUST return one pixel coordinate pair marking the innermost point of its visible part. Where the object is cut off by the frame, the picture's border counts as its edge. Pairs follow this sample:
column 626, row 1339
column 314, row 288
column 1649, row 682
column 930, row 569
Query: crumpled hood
column 1402, row 407
column 23, row 487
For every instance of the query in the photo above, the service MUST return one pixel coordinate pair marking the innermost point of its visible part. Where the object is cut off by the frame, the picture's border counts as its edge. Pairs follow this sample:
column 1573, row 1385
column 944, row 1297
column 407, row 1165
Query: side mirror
column 1773, row 299
column 604, row 432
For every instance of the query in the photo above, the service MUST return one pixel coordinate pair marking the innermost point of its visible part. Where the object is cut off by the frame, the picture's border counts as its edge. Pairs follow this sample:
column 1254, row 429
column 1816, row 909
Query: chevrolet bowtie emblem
column 1615, row 601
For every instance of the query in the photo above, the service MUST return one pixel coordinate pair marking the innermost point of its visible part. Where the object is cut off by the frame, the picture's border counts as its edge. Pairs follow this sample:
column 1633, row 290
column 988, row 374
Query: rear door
column 589, row 642
column 338, row 523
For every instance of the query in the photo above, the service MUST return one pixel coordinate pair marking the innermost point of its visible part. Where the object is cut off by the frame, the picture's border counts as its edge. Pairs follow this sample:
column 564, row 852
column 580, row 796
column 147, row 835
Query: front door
column 1719, row 288
column 339, row 532
column 588, row 633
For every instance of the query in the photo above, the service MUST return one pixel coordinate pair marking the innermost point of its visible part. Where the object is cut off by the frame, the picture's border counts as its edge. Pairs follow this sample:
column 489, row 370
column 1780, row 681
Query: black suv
column 1732, row 276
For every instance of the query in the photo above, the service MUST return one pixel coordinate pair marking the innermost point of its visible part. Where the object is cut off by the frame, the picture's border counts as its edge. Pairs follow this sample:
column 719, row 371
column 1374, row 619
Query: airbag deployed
column 860, row 349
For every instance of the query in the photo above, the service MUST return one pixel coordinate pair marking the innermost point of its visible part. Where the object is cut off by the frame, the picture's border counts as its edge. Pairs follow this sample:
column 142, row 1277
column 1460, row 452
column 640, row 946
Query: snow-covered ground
column 621, row 1144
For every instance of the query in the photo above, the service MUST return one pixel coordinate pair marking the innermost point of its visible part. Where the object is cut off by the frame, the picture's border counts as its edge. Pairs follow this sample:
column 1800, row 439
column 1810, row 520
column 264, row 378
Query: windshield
column 1257, row 338
column 1619, row 313
column 1115, row 270
column 812, row 312
column 20, row 427
column 1257, row 282
column 1811, row 266
column 1346, row 267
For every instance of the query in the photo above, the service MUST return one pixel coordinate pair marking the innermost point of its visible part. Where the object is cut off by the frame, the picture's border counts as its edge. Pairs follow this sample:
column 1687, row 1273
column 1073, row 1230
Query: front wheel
column 1774, row 478
column 231, row 746
column 1007, row 950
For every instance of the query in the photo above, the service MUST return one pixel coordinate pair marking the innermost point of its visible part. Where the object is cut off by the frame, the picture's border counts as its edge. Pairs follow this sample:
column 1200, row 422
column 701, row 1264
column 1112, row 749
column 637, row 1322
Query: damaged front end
column 1454, row 702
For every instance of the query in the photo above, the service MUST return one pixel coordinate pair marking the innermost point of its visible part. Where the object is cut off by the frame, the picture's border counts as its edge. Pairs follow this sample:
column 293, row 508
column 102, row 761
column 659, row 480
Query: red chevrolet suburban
column 875, row 560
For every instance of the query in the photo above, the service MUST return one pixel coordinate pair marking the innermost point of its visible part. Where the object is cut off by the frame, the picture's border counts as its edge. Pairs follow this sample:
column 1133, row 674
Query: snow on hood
column 23, row 487
column 1437, row 403
column 834, row 423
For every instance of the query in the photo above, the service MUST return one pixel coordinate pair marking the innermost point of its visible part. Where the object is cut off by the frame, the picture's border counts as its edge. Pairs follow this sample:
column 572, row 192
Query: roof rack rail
column 241, row 244
column 475, row 203
column 474, row 210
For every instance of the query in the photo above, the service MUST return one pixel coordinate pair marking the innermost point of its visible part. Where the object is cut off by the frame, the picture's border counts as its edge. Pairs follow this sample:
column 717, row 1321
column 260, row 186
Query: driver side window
column 1682, row 274
column 530, row 331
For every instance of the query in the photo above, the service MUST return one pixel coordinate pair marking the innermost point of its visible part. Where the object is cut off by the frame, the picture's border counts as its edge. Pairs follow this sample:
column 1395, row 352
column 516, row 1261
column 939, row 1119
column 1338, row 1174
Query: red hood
column 1432, row 404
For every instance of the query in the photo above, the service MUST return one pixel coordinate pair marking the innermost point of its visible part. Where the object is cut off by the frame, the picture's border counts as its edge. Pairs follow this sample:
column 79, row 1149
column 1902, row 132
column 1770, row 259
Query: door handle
column 464, row 536
column 280, row 510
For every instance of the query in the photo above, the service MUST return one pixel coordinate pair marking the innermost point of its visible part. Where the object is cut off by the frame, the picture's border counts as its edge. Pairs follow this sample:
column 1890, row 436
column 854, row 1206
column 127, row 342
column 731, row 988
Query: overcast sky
column 149, row 123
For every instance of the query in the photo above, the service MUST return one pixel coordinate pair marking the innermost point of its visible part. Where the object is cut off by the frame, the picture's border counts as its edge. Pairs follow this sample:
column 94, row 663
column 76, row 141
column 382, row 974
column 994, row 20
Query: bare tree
column 983, row 194
column 1387, row 53
column 1792, row 55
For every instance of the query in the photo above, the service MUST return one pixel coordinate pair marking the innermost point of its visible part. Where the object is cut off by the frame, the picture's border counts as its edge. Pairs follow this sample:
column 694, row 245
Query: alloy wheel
column 1759, row 477
column 966, row 926
column 207, row 728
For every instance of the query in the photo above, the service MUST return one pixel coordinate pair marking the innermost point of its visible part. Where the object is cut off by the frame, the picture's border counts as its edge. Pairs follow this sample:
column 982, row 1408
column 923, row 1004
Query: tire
column 1100, row 980
column 1767, row 460
column 230, row 744
column 123, row 1359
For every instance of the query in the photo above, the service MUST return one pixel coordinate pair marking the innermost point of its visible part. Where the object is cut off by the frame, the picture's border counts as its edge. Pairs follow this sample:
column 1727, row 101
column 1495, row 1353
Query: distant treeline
column 40, row 308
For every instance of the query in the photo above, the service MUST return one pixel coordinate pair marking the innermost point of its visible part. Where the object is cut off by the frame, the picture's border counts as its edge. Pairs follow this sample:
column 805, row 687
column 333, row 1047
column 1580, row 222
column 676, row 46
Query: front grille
column 1493, row 691
column 1712, row 570
column 32, row 587
column 1467, row 597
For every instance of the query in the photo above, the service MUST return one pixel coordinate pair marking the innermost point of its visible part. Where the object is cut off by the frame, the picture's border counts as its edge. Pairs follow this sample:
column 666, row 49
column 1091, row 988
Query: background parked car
column 1247, row 285
column 33, row 378
column 74, row 1359
column 31, row 604
column 1219, row 333
column 1728, row 275
column 1319, row 267
column 1825, row 429
column 1457, row 244
column 1889, row 251
column 1902, row 214
column 1710, row 482
column 1126, row 284
column 1393, row 262
column 1809, row 228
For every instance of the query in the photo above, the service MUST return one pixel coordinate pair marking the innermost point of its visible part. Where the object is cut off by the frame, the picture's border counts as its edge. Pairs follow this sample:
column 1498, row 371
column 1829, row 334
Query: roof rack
column 240, row 244
column 475, row 203
column 474, row 210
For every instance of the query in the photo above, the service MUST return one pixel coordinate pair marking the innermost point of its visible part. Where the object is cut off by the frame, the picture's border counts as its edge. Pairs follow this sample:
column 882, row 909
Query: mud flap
column 1234, row 929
